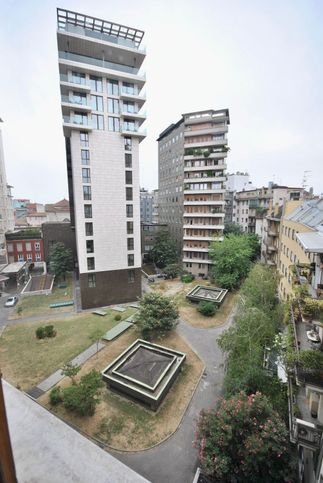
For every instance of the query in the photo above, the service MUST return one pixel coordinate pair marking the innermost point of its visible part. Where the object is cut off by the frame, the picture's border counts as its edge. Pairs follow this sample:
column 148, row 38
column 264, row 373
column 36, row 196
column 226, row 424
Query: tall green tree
column 157, row 315
column 61, row 260
column 231, row 259
column 164, row 251
column 244, row 440
column 232, row 228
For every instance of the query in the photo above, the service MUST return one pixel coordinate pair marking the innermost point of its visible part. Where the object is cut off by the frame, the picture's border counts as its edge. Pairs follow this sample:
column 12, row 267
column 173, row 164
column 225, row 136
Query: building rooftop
column 309, row 213
column 46, row 449
column 14, row 267
column 111, row 30
column 312, row 242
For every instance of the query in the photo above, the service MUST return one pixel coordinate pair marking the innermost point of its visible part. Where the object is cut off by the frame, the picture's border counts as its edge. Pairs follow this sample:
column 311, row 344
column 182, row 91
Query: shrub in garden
column 55, row 396
column 83, row 397
column 207, row 308
column 49, row 331
column 117, row 317
column 40, row 333
column 187, row 277
column 244, row 440
column 157, row 315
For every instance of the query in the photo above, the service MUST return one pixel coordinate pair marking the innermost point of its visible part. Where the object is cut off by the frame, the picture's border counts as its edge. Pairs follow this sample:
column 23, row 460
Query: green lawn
column 25, row 360
column 38, row 304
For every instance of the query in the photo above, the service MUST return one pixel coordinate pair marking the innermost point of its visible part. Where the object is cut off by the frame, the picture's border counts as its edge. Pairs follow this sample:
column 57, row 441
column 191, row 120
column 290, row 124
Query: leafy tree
column 172, row 270
column 157, row 315
column 55, row 396
column 164, row 251
column 232, row 228
column 260, row 288
column 96, row 336
column 60, row 260
column 232, row 260
column 71, row 371
column 244, row 440
column 207, row 308
column 83, row 397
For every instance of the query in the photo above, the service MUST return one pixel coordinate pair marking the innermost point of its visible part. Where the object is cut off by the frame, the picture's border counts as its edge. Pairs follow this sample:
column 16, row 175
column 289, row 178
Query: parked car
column 11, row 301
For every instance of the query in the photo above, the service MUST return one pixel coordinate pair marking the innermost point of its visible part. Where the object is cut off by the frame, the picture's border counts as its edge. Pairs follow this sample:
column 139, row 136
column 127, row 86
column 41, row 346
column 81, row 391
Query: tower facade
column 192, row 175
column 101, row 100
column 7, row 220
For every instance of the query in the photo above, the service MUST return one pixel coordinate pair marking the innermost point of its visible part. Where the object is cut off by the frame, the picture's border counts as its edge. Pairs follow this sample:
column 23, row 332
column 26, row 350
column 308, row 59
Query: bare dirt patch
column 126, row 425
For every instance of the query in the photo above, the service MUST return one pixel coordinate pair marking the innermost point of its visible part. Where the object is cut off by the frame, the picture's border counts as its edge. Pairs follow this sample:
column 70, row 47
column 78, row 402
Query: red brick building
column 25, row 246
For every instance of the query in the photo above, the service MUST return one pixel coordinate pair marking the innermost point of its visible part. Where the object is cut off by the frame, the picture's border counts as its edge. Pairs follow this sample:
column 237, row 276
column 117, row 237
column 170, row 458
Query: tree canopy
column 61, row 260
column 157, row 315
column 232, row 228
column 232, row 259
column 164, row 251
column 244, row 440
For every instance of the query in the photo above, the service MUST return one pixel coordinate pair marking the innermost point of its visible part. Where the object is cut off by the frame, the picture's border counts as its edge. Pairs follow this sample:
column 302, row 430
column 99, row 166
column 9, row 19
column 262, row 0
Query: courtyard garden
column 35, row 305
column 25, row 360
column 124, row 424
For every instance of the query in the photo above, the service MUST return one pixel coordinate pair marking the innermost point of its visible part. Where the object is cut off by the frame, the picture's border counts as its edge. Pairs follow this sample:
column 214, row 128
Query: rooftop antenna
column 306, row 175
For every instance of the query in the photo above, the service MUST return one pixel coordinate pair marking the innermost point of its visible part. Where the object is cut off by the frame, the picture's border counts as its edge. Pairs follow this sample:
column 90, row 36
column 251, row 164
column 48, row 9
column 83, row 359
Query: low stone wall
column 49, row 282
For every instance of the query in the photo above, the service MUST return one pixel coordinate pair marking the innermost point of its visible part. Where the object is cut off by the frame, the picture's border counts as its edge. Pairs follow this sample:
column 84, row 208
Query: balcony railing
column 78, row 81
column 79, row 121
column 98, row 62
column 101, row 36
column 75, row 100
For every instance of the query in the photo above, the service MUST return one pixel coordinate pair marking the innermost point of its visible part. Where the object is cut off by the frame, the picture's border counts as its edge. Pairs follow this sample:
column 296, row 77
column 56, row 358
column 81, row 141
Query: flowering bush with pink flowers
column 244, row 440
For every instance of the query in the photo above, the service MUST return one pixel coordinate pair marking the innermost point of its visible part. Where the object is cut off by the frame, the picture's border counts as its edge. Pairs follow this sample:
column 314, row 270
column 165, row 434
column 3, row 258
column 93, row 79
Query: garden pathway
column 175, row 460
column 57, row 376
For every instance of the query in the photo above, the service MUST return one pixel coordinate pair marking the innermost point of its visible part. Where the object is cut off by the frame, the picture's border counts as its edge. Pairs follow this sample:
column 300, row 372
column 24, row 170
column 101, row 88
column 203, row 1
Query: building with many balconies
column 101, row 99
column 192, row 175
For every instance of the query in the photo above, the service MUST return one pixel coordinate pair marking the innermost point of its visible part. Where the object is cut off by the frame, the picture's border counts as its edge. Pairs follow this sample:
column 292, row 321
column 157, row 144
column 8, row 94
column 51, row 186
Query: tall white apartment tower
column 7, row 220
column 192, row 176
column 101, row 100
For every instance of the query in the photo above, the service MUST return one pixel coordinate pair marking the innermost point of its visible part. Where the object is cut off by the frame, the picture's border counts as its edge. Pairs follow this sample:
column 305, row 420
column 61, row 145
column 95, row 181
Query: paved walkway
column 176, row 459
column 57, row 376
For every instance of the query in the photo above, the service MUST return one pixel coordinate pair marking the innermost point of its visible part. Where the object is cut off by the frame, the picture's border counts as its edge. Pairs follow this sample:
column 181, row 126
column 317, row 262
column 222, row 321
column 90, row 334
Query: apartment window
column 80, row 118
column 131, row 276
column 9, row 247
column 87, row 194
column 90, row 263
column 130, row 244
column 86, row 175
column 21, row 258
column 79, row 98
column 129, row 125
column 91, row 281
column 113, row 106
column 128, row 143
column 29, row 257
column 129, row 211
column 129, row 194
column 97, row 103
column 78, row 78
column 37, row 257
column 128, row 160
column 89, row 246
column 113, row 87
column 129, row 227
column 114, row 124
column 97, row 122
column 37, row 246
column 88, row 211
column 96, row 83
column 84, row 138
column 88, row 229
column 128, row 88
column 28, row 246
column 131, row 260
column 128, row 177
column 85, row 156
column 129, row 107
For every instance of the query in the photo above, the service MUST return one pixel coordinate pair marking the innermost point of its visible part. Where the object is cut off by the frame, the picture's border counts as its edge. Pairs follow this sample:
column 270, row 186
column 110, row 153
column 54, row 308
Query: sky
column 260, row 59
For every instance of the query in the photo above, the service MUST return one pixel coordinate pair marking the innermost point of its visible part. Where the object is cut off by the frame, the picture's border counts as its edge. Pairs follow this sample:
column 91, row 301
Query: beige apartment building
column 101, row 99
column 298, row 217
column 192, row 175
